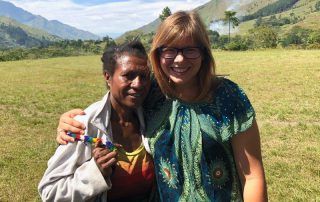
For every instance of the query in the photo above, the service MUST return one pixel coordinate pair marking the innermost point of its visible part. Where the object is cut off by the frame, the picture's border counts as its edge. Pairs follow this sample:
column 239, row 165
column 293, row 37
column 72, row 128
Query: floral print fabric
column 191, row 146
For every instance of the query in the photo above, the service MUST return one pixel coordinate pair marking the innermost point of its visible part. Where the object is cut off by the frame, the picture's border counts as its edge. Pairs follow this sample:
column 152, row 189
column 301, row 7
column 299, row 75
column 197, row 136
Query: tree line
column 262, row 37
column 62, row 48
column 264, row 34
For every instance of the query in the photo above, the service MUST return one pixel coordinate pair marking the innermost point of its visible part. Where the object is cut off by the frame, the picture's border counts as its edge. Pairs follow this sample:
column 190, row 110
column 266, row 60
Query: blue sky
column 103, row 17
column 100, row 1
column 95, row 2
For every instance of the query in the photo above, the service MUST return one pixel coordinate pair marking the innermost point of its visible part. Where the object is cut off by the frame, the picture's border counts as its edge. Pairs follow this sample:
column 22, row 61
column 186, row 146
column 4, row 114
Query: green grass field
column 283, row 86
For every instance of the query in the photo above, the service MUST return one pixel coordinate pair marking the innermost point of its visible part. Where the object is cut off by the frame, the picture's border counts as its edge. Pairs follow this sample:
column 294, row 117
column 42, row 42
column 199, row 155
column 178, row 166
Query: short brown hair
column 182, row 25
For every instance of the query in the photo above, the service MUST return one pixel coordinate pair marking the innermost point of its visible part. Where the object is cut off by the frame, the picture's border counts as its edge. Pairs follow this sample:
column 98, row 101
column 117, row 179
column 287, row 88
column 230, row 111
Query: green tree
column 314, row 37
column 296, row 36
column 166, row 12
column 223, row 40
column 258, row 22
column 133, row 36
column 109, row 42
column 146, row 40
column 317, row 6
column 264, row 37
column 231, row 19
column 213, row 38
column 239, row 43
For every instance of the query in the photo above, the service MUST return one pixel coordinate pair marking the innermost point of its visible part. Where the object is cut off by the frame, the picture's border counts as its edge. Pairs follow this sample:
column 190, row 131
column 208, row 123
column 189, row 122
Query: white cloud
column 113, row 17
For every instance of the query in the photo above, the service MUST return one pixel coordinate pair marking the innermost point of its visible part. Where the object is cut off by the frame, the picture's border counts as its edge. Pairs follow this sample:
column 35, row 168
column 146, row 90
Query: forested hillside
column 270, row 9
column 248, row 12
column 263, row 24
column 16, row 35
column 53, row 27
column 304, row 14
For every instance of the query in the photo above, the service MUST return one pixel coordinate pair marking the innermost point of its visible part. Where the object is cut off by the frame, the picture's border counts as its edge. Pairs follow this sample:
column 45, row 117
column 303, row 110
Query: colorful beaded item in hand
column 87, row 139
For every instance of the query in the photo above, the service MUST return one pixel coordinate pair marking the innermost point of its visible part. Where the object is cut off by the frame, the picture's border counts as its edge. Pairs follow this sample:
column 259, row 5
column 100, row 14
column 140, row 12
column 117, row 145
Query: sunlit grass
column 33, row 94
column 283, row 86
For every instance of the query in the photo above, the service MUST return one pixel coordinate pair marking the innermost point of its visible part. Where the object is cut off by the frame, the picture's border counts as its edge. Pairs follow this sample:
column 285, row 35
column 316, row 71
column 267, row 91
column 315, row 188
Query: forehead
column 131, row 63
column 182, row 42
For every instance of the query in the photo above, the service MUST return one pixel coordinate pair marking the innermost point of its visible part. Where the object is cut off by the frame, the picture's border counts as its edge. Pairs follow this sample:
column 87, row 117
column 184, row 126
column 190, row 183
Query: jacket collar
column 101, row 118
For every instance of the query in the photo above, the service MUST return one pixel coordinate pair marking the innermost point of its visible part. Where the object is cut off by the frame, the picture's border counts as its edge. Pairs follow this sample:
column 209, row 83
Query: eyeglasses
column 171, row 53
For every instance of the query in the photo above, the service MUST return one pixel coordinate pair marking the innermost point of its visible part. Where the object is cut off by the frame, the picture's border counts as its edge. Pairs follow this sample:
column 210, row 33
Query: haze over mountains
column 212, row 14
column 20, row 28
column 53, row 27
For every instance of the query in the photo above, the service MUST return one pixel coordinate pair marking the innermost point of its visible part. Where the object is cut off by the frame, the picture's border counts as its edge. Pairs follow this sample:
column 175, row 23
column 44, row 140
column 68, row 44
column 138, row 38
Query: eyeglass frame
column 179, row 50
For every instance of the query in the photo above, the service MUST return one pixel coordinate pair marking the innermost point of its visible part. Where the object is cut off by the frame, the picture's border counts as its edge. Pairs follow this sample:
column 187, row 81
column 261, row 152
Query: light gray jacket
column 72, row 174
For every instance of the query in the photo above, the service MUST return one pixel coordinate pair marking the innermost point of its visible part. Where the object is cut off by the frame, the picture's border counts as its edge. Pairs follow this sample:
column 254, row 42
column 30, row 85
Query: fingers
column 67, row 122
column 98, row 143
column 107, row 161
column 72, row 126
column 104, row 159
column 106, row 168
column 75, row 112
column 117, row 145
column 63, row 138
column 99, row 152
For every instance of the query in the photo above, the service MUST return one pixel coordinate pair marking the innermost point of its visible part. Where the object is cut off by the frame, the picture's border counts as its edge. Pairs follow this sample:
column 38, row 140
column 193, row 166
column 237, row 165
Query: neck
column 187, row 93
column 120, row 113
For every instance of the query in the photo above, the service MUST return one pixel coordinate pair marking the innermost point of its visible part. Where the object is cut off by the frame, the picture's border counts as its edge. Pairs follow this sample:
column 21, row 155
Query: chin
column 178, row 81
column 134, row 104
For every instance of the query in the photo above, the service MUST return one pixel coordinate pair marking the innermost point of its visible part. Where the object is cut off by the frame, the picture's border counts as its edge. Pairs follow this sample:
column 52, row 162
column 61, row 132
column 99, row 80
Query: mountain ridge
column 17, row 35
column 208, row 15
column 53, row 27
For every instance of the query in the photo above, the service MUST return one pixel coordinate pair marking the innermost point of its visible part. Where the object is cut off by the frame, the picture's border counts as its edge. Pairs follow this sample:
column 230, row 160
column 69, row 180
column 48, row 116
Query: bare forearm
column 255, row 190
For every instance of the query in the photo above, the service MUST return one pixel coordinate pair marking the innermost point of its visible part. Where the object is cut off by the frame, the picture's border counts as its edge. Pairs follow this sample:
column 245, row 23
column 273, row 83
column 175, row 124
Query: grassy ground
column 283, row 86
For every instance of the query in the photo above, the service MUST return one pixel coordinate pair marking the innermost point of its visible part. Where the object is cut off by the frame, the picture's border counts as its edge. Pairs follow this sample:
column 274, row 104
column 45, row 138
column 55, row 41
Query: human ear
column 107, row 77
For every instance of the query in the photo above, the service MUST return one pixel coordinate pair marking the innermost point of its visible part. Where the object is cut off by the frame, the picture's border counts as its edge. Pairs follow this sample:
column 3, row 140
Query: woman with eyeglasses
column 203, row 134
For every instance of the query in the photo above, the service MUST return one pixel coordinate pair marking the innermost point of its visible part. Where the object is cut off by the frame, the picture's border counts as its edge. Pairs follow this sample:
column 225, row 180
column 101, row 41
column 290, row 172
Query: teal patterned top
column 191, row 146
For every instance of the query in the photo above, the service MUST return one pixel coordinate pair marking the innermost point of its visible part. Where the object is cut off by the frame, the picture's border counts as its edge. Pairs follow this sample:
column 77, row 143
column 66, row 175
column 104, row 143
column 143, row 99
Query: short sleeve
column 235, row 109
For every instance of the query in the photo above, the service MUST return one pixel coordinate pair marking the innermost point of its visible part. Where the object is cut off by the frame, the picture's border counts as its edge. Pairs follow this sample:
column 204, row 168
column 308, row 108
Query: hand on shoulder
column 68, row 123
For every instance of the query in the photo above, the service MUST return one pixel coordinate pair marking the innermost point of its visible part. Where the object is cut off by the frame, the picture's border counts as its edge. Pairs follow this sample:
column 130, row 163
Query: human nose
column 179, row 57
column 137, row 82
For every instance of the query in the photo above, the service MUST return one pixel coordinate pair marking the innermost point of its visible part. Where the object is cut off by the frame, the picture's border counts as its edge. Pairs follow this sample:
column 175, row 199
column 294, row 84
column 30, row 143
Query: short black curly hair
column 110, row 56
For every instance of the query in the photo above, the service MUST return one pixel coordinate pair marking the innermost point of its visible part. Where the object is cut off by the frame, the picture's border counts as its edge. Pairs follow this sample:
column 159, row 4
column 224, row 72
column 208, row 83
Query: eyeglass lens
column 189, row 53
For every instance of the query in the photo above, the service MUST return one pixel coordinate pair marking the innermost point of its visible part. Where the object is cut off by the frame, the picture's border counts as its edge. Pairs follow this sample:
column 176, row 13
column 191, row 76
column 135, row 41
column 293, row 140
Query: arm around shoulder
column 247, row 154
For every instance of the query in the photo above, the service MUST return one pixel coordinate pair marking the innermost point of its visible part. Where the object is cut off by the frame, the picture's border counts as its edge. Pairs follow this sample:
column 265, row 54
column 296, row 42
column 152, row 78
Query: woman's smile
column 179, row 70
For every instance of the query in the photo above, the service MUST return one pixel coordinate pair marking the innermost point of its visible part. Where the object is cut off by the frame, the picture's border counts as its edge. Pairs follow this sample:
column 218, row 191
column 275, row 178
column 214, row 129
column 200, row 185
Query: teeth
column 179, row 70
column 136, row 95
